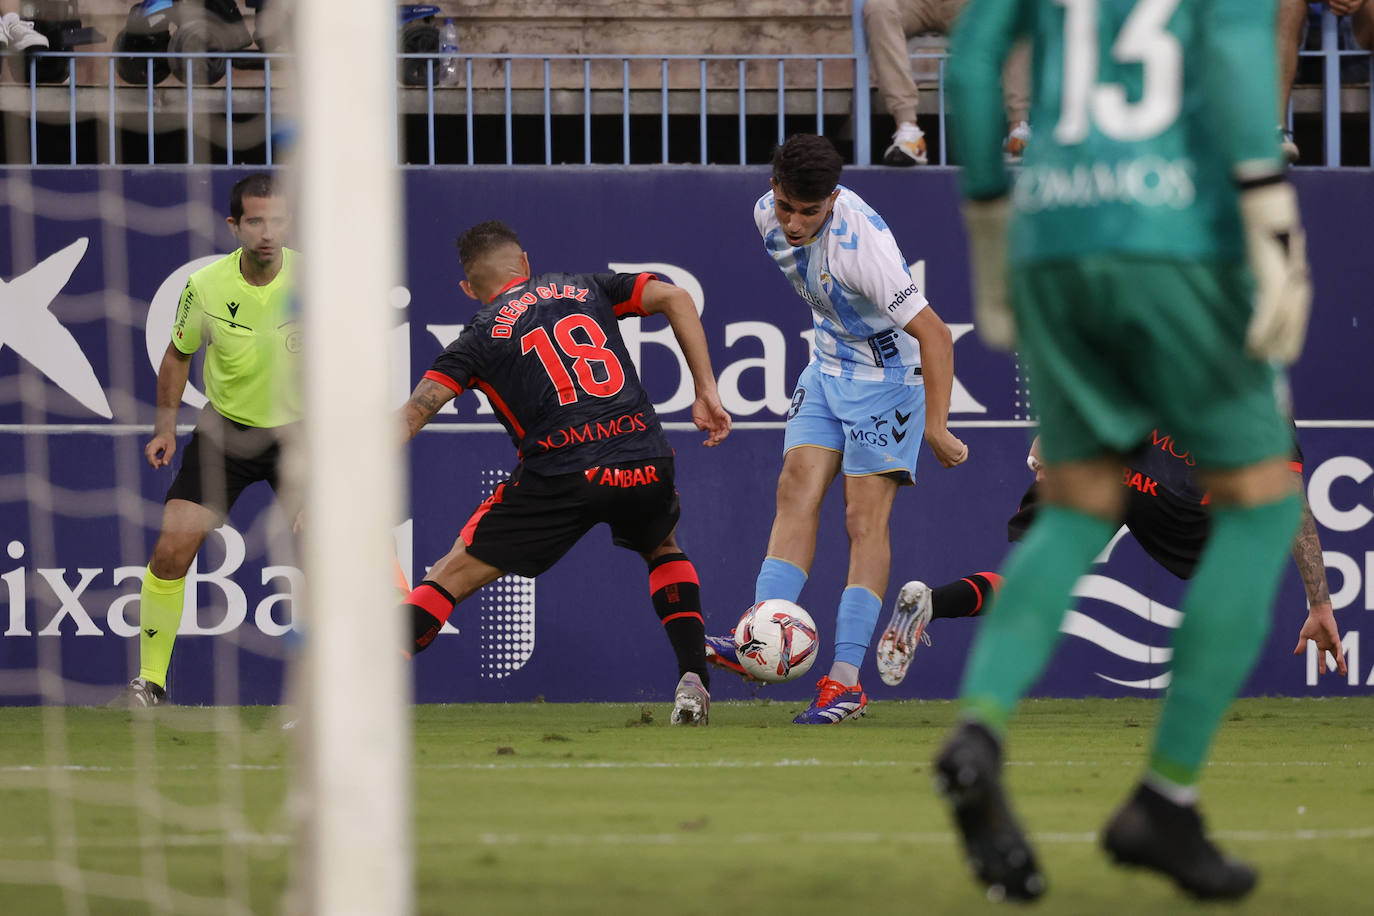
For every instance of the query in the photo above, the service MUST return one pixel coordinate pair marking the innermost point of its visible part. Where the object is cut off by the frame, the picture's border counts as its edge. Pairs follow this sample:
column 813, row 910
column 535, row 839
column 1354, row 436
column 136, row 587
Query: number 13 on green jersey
column 1139, row 124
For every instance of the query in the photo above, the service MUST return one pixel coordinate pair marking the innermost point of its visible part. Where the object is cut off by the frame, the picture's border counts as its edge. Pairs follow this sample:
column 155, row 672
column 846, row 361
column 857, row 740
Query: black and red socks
column 676, row 595
column 429, row 605
column 966, row 597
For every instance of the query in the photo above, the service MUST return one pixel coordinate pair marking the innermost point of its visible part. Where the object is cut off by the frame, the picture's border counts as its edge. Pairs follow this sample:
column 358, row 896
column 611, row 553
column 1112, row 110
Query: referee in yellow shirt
column 241, row 307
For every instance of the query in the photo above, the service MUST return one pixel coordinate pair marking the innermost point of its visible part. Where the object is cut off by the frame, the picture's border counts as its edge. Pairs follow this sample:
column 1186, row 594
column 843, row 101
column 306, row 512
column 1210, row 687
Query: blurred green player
column 1123, row 282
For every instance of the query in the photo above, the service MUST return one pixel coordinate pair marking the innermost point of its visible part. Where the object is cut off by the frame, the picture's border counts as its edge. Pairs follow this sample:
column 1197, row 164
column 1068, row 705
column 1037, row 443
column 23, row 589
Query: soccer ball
column 775, row 641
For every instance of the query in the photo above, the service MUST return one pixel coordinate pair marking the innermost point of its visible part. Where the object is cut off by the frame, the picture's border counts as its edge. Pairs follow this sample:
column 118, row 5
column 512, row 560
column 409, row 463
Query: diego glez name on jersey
column 506, row 316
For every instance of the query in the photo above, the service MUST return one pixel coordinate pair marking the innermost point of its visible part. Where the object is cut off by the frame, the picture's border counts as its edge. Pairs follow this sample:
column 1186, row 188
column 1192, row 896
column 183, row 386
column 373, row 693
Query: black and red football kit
column 548, row 354
column 1166, row 510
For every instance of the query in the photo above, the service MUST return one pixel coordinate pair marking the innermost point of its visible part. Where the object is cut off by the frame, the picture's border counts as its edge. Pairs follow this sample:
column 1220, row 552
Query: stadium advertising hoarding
column 78, row 364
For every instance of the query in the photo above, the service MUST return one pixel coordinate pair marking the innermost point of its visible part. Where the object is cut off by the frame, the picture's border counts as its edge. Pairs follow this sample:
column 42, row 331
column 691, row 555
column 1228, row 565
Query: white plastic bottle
column 449, row 73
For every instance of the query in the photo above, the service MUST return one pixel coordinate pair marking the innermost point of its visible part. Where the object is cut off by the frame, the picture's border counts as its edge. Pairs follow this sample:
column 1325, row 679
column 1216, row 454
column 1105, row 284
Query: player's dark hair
column 259, row 184
column 807, row 167
column 482, row 238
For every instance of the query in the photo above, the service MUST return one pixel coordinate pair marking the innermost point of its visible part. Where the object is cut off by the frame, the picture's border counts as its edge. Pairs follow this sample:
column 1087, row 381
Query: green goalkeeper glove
column 1277, row 249
column 986, row 222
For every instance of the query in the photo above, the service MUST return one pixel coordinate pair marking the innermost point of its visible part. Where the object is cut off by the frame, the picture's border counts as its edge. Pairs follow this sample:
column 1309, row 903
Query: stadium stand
column 543, row 82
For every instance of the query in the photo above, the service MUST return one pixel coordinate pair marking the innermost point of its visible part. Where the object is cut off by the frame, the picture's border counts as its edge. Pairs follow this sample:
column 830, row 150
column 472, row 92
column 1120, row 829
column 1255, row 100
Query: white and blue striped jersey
column 860, row 291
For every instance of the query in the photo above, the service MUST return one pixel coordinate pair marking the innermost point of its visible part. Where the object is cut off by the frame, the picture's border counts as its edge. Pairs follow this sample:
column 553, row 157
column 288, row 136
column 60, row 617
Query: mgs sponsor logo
column 876, row 436
column 883, row 431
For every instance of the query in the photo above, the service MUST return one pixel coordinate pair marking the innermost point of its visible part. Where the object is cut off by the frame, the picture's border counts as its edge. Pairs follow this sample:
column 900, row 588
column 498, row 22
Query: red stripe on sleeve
column 445, row 381
column 500, row 405
column 482, row 510
column 635, row 304
column 1295, row 466
column 671, row 574
column 428, row 597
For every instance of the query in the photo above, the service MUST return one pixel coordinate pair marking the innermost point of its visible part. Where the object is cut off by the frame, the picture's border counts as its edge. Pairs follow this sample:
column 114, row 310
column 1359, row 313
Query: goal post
column 354, row 852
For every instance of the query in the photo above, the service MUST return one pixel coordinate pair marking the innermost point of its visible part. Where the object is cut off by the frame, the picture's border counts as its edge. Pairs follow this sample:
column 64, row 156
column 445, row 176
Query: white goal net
column 276, row 777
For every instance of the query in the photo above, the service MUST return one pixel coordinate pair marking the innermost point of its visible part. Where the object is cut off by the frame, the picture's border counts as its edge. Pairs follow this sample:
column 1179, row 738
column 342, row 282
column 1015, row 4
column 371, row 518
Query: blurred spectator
column 1293, row 18
column 17, row 34
column 888, row 24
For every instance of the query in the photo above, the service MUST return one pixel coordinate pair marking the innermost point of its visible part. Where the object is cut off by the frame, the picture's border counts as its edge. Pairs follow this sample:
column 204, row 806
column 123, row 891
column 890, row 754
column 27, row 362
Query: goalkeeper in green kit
column 1148, row 265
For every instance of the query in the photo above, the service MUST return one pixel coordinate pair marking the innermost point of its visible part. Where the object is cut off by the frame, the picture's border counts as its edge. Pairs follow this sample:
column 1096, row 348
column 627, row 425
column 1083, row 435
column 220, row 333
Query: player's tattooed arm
column 1320, row 626
column 1307, row 553
column 424, row 403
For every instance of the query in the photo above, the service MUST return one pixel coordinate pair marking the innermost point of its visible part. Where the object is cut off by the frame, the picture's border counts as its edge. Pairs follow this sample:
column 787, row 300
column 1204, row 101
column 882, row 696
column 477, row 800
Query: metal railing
column 741, row 92
column 211, row 116
column 1331, row 56
column 198, row 101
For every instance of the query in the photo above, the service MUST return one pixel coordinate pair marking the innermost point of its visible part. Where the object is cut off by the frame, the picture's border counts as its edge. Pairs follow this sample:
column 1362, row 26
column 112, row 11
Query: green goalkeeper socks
column 1015, row 643
column 1227, row 611
column 160, row 604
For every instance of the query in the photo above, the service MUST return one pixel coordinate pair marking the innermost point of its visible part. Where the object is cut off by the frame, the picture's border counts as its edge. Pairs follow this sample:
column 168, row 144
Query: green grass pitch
column 605, row 809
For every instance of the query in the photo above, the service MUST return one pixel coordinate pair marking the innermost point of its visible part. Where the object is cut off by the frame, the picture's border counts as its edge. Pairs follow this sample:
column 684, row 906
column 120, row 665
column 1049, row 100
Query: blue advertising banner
column 89, row 282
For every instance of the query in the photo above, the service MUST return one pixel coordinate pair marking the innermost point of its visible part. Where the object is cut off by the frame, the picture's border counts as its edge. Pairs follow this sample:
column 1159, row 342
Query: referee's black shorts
column 531, row 520
column 224, row 457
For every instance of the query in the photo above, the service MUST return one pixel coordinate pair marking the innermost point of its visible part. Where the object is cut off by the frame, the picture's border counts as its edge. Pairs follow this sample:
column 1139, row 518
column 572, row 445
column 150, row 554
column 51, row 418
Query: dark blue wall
column 594, row 636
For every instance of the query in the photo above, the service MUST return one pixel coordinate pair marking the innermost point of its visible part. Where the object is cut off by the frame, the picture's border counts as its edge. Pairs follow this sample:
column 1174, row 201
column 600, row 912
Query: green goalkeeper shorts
column 1115, row 347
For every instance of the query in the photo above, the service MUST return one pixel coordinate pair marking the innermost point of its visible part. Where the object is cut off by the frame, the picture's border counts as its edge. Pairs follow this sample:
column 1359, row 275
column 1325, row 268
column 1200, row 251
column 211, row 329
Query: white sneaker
column 1015, row 145
column 691, row 702
column 908, row 147
column 19, row 34
column 904, row 632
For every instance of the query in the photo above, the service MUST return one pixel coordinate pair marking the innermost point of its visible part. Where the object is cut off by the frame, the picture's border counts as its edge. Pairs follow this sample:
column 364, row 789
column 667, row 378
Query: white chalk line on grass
column 684, row 838
column 670, row 765
column 877, row 838
column 169, row 840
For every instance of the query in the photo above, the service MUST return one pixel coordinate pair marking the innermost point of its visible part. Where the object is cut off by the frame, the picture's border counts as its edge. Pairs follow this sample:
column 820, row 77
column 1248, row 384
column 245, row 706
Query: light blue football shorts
column 876, row 425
